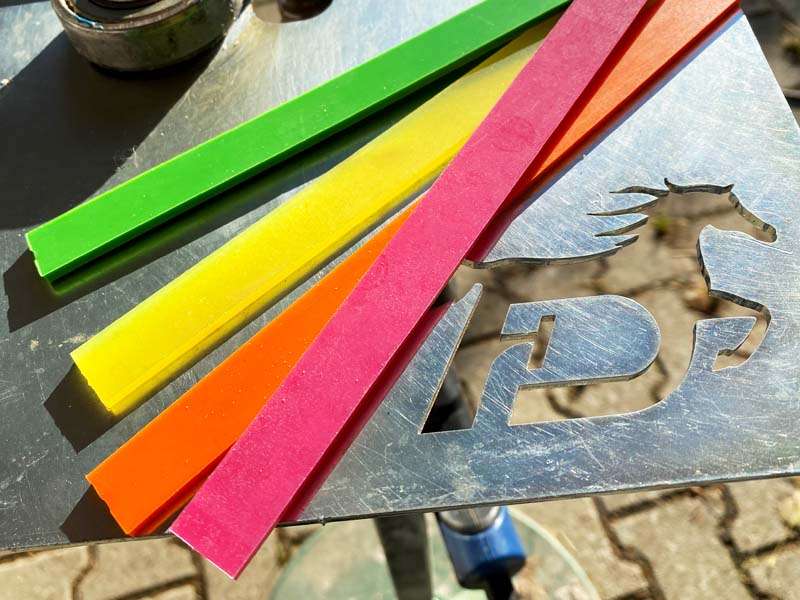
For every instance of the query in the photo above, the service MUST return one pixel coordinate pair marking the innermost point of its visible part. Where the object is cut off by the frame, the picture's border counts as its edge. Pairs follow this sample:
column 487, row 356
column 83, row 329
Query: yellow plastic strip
column 169, row 331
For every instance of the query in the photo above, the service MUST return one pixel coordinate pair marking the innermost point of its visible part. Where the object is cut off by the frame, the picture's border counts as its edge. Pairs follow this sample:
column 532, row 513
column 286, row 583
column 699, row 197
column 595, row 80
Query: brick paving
column 732, row 541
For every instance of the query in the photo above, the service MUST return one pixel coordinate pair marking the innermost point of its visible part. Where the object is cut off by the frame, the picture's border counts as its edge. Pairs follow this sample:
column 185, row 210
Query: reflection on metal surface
column 720, row 120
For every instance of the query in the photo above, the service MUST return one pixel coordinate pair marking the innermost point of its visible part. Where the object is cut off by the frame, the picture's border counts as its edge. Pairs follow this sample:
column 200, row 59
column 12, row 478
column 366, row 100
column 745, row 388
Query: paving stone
column 526, row 583
column 184, row 592
column 676, row 323
column 488, row 318
column 679, row 234
column 790, row 510
column 770, row 29
column 759, row 521
column 729, row 309
column 646, row 263
column 735, row 221
column 565, row 280
column 128, row 567
column 533, row 406
column 528, row 586
column 618, row 397
column 778, row 573
column 576, row 524
column 696, row 296
column 492, row 308
column 616, row 502
column 42, row 576
column 297, row 534
column 691, row 206
column 681, row 218
column 713, row 497
column 679, row 538
column 472, row 366
column 254, row 583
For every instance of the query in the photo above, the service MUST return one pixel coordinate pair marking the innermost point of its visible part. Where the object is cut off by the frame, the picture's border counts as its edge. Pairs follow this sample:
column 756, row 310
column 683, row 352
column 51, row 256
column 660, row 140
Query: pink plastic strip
column 335, row 383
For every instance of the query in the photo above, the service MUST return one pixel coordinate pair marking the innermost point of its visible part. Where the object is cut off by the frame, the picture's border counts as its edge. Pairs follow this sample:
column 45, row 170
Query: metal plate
column 700, row 127
column 721, row 120
column 70, row 130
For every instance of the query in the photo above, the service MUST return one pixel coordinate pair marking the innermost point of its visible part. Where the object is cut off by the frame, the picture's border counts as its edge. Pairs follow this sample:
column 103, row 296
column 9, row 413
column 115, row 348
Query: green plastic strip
column 151, row 198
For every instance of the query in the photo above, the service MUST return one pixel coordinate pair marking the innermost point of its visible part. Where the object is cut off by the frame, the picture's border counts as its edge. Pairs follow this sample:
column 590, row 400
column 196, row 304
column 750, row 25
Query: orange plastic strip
column 155, row 472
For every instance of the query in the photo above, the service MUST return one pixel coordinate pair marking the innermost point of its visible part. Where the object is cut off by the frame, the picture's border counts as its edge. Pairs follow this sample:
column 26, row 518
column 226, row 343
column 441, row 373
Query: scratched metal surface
column 66, row 131
column 720, row 121
column 699, row 128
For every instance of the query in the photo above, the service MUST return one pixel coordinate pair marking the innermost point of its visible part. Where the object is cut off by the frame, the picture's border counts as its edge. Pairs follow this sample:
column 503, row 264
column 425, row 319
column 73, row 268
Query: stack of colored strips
column 159, row 338
column 434, row 138
column 667, row 32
